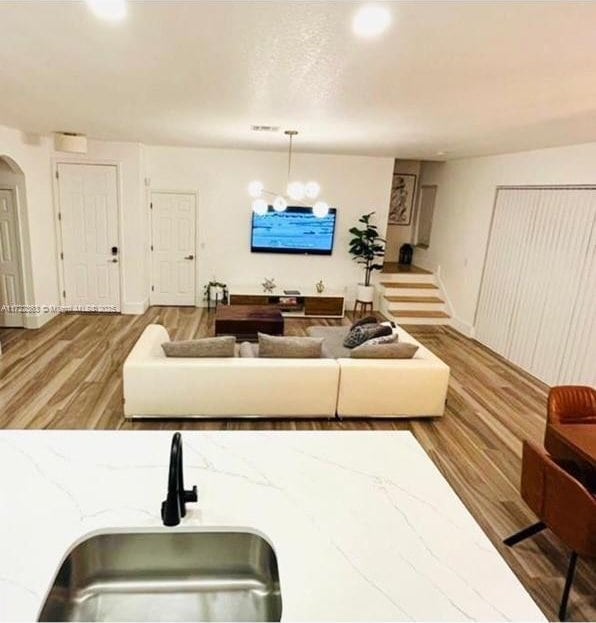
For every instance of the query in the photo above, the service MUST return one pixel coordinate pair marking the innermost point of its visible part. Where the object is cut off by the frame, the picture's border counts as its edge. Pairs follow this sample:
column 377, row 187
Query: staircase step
column 414, row 299
column 405, row 284
column 394, row 267
column 412, row 313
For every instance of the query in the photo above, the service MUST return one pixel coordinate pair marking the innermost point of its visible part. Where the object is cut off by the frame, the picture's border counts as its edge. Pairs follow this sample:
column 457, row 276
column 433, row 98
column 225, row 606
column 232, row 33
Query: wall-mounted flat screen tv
column 295, row 230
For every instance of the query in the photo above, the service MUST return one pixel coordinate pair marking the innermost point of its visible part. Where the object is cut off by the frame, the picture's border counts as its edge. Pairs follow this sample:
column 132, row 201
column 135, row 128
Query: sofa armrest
column 148, row 346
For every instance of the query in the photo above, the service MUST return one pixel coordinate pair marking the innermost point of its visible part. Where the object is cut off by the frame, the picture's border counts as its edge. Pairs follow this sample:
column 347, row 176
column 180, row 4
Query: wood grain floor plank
column 68, row 375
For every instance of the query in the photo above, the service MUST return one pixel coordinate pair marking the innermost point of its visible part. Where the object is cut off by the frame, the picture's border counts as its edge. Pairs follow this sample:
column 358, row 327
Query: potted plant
column 365, row 247
column 215, row 292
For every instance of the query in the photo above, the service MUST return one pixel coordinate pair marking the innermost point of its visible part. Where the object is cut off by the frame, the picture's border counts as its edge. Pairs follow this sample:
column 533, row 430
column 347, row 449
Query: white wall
column 32, row 155
column 354, row 185
column 464, row 205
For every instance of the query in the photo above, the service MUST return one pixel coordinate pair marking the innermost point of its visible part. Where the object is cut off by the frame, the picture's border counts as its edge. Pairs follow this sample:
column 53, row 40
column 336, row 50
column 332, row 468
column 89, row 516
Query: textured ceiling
column 467, row 78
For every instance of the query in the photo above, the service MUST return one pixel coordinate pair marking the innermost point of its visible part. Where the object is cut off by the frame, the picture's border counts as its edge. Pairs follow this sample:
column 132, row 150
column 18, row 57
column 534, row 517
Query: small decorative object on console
column 290, row 303
column 268, row 285
column 320, row 286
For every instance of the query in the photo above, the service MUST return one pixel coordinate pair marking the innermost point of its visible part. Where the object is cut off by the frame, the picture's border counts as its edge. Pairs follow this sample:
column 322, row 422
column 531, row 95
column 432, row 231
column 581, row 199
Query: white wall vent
column 70, row 142
column 265, row 128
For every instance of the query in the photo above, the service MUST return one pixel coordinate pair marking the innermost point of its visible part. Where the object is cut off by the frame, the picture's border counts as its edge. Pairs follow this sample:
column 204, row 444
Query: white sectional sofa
column 162, row 387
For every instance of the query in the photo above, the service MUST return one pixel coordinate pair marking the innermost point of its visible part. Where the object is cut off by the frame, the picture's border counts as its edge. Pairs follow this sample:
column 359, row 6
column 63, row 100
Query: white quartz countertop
column 363, row 524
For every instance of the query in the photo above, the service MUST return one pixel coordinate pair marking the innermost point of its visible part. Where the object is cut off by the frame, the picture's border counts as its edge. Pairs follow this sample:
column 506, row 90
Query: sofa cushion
column 395, row 350
column 249, row 350
column 289, row 347
column 333, row 342
column 204, row 347
column 360, row 334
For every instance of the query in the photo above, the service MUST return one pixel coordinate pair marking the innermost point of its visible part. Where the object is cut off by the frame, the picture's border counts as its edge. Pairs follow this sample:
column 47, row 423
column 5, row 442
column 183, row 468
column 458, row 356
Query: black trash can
column 406, row 252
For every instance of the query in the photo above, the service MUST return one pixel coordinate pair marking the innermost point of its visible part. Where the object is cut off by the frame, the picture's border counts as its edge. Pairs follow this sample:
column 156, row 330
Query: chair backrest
column 559, row 500
column 572, row 404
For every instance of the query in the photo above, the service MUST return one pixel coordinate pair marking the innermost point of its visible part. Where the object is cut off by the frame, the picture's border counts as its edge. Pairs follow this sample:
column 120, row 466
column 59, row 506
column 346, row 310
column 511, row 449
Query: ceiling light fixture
column 295, row 190
column 371, row 20
column 320, row 209
column 113, row 10
column 255, row 189
column 260, row 207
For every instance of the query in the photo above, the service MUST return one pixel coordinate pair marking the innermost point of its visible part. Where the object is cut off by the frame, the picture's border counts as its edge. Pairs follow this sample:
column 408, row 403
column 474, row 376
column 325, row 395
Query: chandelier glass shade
column 280, row 204
column 296, row 191
column 255, row 189
column 260, row 207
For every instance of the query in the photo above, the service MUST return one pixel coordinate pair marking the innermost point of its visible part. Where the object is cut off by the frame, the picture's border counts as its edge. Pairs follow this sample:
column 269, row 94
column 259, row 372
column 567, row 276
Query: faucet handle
column 192, row 495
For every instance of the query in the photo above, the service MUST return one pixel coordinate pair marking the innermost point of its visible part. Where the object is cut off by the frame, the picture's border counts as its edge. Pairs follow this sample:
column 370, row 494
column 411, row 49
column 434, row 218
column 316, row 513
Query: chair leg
column 524, row 534
column 568, row 583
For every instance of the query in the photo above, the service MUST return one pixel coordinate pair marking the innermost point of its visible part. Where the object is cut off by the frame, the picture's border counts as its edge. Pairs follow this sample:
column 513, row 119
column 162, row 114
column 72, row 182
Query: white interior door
column 11, row 286
column 173, row 253
column 90, row 242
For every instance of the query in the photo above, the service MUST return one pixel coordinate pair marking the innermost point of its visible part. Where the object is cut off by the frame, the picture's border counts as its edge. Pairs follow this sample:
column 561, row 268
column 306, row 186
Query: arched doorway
column 14, row 245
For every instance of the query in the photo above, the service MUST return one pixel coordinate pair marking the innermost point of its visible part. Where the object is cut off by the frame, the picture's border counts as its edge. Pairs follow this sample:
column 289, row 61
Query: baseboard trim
column 463, row 327
column 36, row 321
column 135, row 309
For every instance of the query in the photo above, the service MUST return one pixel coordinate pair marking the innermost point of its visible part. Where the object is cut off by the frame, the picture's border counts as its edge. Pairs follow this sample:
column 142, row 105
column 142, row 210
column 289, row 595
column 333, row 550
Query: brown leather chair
column 571, row 407
column 562, row 504
column 572, row 404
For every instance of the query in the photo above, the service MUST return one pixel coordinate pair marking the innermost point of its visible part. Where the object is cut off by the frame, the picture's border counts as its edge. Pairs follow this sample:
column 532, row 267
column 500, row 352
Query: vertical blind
column 537, row 305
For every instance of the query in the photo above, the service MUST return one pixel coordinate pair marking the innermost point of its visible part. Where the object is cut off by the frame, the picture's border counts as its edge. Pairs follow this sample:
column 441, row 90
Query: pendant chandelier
column 296, row 191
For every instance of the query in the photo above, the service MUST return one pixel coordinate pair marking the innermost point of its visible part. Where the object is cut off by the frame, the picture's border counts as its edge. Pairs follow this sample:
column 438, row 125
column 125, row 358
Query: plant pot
column 215, row 293
column 366, row 294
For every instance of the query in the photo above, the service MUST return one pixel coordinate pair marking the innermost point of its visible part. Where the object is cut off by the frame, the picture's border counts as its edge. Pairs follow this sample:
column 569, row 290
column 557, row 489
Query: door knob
column 189, row 257
column 115, row 260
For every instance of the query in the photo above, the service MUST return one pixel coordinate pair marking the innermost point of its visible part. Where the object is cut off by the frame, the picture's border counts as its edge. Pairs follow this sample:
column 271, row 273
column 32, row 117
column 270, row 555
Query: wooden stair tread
column 414, row 299
column 394, row 267
column 404, row 284
column 415, row 313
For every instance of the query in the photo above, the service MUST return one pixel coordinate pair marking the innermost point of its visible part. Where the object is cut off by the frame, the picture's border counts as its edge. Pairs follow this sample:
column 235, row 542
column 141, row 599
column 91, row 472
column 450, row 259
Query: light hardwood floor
column 68, row 375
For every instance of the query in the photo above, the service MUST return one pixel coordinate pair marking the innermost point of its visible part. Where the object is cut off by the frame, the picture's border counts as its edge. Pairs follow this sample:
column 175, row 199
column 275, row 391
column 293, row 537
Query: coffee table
column 246, row 321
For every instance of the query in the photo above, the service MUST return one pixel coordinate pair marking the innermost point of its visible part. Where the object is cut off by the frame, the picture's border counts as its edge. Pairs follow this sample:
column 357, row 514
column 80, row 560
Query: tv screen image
column 296, row 230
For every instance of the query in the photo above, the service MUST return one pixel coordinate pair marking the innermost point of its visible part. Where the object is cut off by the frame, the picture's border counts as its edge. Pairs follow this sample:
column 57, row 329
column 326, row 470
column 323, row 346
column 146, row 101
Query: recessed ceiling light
column 371, row 20
column 113, row 10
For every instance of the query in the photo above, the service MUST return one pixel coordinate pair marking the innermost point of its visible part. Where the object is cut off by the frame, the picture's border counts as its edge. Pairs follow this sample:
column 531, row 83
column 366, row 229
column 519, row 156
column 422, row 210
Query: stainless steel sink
column 167, row 576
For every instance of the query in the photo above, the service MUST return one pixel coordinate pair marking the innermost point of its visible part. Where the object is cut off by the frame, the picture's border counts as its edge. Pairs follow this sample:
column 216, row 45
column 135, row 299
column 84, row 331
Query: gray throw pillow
column 360, row 334
column 205, row 347
column 384, row 339
column 275, row 347
column 365, row 320
column 396, row 350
